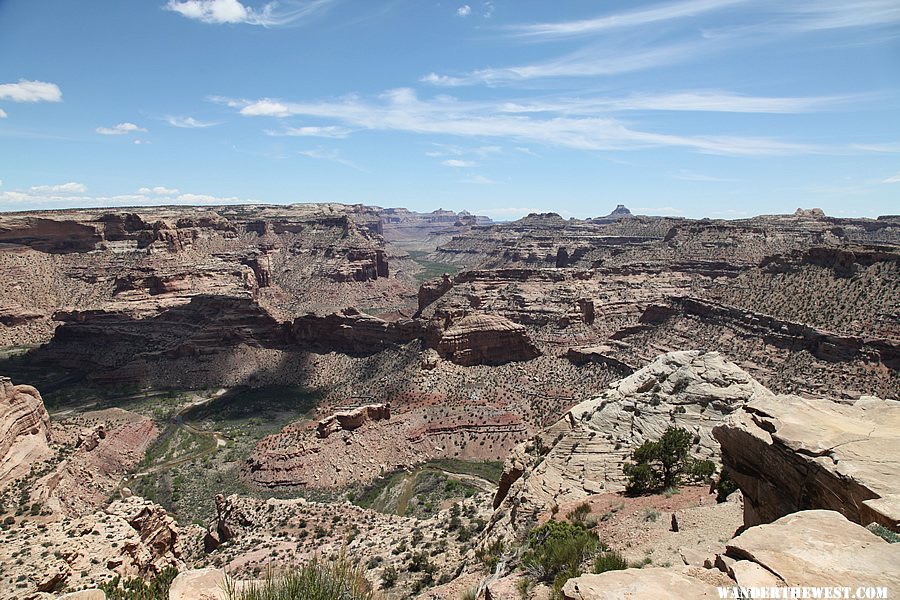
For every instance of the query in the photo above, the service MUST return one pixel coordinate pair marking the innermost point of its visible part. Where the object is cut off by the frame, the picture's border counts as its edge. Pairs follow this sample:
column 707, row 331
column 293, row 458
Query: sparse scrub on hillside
column 317, row 579
column 136, row 588
column 556, row 551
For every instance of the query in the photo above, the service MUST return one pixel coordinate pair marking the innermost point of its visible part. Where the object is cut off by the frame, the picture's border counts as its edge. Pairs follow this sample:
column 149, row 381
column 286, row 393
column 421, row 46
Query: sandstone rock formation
column 789, row 454
column 353, row 332
column 354, row 418
column 481, row 339
column 24, row 430
column 818, row 548
column 650, row 582
column 583, row 453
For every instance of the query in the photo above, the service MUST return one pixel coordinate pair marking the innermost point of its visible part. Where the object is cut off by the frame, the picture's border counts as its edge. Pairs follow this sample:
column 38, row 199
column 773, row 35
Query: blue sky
column 720, row 108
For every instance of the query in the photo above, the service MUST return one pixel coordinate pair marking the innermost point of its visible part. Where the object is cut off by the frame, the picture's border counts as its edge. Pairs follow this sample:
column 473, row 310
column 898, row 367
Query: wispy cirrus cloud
column 271, row 14
column 188, row 122
column 121, row 129
column 479, row 180
column 3, row 114
column 632, row 18
column 458, row 164
column 332, row 156
column 30, row 91
column 331, row 131
column 892, row 179
column 402, row 110
column 586, row 62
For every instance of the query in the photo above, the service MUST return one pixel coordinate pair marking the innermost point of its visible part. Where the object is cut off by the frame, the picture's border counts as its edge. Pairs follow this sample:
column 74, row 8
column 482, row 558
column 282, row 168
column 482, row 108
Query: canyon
column 237, row 387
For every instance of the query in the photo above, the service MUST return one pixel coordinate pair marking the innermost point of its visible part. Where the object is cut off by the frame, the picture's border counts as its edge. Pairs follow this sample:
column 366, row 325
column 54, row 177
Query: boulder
column 817, row 548
column 789, row 454
column 198, row 584
column 638, row 584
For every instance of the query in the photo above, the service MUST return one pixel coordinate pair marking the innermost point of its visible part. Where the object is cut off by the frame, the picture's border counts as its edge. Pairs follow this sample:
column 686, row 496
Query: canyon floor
column 224, row 391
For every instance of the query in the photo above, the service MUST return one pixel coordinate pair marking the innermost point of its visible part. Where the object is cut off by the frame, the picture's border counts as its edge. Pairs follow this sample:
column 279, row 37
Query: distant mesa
column 809, row 212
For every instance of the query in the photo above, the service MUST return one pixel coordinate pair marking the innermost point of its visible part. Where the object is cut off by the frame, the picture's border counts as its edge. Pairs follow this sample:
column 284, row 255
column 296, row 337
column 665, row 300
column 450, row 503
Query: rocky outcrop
column 650, row 582
column 789, row 453
column 132, row 537
column 481, row 339
column 816, row 548
column 353, row 332
column 823, row 345
column 583, row 453
column 24, row 430
column 354, row 418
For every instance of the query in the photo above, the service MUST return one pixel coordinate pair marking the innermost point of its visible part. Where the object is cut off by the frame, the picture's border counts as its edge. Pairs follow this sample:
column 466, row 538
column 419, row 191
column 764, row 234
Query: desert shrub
column 136, row 588
column 579, row 513
column 884, row 533
column 609, row 561
column 725, row 486
column 388, row 578
column 317, row 579
column 556, row 551
column 664, row 464
column 489, row 555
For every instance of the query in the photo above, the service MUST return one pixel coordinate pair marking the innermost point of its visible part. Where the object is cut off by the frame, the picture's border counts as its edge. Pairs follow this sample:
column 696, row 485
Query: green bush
column 579, row 513
column 725, row 486
column 609, row 561
column 317, row 579
column 884, row 533
column 665, row 464
column 556, row 551
column 136, row 588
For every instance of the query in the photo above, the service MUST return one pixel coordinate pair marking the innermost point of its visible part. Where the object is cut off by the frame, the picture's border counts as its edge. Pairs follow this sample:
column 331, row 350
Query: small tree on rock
column 664, row 463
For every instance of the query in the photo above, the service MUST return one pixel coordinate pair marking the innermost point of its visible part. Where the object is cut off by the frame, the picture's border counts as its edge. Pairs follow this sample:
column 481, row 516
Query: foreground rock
column 132, row 537
column 583, row 453
column 637, row 584
column 789, row 454
column 24, row 430
column 818, row 548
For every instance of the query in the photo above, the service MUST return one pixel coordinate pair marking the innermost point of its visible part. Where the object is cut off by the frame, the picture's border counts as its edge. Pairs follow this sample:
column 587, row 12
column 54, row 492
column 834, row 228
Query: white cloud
column 311, row 131
column 571, row 127
column 479, row 179
column 585, row 62
column 634, row 18
column 464, row 11
column 47, row 197
column 266, row 108
column 233, row 11
column 330, row 155
column 64, row 188
column 188, row 122
column 30, row 91
column 892, row 179
column 158, row 191
column 120, row 129
column 459, row 164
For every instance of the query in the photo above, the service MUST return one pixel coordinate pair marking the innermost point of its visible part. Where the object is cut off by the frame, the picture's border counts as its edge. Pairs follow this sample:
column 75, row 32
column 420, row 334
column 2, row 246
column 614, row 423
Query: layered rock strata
column 25, row 434
column 789, row 454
